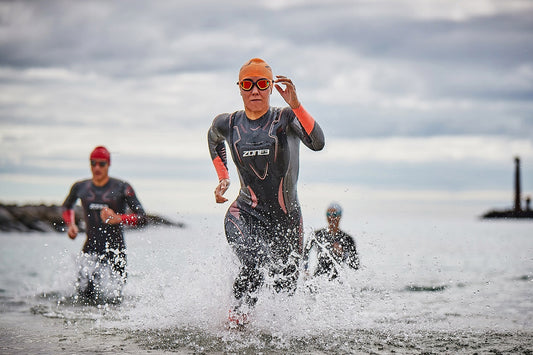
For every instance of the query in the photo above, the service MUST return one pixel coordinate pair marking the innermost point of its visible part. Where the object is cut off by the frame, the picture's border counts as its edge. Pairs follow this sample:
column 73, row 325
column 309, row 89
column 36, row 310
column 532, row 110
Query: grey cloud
column 494, row 40
column 114, row 38
column 357, row 121
column 471, row 76
column 149, row 71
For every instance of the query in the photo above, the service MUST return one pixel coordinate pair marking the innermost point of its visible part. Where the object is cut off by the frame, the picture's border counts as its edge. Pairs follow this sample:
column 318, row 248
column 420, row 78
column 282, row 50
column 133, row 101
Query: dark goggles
column 333, row 214
column 248, row 84
column 100, row 163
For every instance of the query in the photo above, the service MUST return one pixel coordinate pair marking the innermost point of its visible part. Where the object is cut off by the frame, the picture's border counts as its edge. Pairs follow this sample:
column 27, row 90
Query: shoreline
column 22, row 332
column 25, row 333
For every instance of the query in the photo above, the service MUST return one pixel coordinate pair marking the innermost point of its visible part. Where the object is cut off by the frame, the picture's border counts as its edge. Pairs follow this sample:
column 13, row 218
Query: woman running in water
column 264, row 224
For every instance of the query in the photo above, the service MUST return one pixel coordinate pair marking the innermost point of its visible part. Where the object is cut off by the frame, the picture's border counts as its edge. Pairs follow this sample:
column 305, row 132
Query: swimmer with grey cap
column 334, row 246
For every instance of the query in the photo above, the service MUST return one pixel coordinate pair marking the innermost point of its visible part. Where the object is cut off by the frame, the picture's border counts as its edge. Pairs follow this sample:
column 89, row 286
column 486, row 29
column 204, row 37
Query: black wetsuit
column 105, row 240
column 324, row 240
column 264, row 223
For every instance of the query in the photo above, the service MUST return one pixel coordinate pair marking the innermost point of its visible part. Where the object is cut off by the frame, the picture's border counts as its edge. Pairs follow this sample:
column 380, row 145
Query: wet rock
column 9, row 223
column 43, row 218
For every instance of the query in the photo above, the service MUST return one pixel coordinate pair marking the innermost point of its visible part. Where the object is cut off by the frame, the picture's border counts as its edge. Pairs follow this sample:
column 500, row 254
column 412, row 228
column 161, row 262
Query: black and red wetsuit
column 106, row 240
column 264, row 224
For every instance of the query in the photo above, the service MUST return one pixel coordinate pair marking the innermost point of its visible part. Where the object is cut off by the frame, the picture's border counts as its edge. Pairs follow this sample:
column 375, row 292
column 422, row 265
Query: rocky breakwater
column 43, row 218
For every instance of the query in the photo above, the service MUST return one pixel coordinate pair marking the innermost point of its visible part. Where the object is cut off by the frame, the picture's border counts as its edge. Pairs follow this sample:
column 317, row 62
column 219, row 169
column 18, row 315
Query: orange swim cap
column 255, row 67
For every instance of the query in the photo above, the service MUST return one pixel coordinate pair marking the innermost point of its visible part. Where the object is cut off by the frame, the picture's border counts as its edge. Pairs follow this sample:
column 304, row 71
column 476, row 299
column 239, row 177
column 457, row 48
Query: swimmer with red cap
column 108, row 204
column 264, row 224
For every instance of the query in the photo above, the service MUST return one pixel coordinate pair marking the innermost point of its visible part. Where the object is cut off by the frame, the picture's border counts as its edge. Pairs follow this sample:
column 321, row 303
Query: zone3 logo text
column 253, row 153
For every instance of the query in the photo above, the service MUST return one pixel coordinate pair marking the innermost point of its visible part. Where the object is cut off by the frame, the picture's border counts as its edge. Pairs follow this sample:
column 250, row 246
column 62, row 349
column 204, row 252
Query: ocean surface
column 425, row 286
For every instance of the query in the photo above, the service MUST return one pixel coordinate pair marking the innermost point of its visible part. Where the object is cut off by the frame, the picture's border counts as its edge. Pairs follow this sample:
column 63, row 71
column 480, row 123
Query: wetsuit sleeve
column 216, row 137
column 350, row 255
column 68, row 217
column 68, row 205
column 138, row 216
column 308, row 129
column 307, row 250
column 316, row 238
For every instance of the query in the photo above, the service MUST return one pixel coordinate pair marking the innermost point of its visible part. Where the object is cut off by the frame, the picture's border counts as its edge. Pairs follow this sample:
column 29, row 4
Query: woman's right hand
column 72, row 231
column 221, row 190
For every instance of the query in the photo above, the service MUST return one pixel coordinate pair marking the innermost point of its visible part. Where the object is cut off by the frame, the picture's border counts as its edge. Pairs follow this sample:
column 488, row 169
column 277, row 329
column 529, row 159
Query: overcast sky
column 424, row 103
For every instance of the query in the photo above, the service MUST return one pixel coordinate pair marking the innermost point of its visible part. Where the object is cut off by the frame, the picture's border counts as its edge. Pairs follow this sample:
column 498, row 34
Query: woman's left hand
column 289, row 93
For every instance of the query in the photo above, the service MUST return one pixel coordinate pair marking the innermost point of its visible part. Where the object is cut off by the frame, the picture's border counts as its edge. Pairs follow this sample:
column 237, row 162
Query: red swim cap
column 101, row 152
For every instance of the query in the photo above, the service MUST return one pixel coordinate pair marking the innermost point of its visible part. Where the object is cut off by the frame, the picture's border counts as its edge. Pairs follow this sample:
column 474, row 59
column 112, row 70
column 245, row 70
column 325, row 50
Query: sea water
column 442, row 286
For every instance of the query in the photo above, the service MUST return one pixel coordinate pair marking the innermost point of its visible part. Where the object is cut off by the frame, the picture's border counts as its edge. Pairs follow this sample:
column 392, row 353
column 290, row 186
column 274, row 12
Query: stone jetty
column 48, row 218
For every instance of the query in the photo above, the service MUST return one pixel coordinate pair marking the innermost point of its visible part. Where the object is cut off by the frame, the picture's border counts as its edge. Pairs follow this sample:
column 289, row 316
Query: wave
column 525, row 278
column 422, row 288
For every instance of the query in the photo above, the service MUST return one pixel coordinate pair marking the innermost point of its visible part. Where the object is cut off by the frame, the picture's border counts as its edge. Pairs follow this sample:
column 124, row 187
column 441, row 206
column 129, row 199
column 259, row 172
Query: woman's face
column 256, row 100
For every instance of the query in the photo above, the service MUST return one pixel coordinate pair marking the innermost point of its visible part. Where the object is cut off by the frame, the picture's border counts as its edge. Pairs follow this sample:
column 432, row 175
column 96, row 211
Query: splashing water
column 421, row 287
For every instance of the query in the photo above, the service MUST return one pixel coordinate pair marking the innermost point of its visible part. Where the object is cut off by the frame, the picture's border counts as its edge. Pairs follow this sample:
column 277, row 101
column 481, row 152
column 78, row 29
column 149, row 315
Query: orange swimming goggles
column 248, row 84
